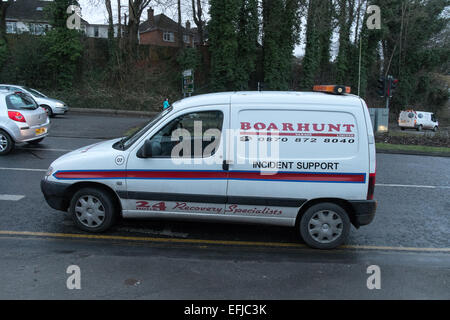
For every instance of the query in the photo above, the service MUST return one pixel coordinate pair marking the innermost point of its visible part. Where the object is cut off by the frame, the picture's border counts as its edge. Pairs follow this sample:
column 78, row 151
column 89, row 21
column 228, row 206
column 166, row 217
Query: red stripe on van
column 90, row 174
column 178, row 174
column 244, row 175
column 314, row 177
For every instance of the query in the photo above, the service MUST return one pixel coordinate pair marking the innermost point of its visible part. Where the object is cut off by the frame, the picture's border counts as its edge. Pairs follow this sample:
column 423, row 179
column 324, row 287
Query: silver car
column 21, row 120
column 52, row 106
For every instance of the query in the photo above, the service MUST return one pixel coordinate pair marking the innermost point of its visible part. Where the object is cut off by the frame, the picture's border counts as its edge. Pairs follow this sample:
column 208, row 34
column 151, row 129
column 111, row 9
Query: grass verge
column 412, row 148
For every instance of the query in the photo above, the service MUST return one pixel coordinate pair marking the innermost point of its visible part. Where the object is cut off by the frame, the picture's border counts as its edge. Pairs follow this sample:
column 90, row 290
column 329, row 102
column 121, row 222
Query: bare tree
column 135, row 9
column 180, row 27
column 119, row 18
column 110, row 20
column 3, row 8
column 197, row 14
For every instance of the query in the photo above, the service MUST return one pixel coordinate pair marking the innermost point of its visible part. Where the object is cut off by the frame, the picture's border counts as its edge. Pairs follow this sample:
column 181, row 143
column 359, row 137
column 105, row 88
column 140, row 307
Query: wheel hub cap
column 325, row 226
column 90, row 211
column 3, row 142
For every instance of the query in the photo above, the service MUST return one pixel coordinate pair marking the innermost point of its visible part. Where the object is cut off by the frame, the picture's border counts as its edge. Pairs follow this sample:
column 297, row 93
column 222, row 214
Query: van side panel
column 298, row 151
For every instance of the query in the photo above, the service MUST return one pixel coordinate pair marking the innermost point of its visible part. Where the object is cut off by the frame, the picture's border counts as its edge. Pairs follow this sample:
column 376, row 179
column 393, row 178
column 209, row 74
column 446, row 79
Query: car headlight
column 59, row 104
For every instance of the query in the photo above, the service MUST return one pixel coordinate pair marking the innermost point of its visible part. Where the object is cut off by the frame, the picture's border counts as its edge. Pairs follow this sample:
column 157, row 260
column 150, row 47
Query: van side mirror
column 145, row 151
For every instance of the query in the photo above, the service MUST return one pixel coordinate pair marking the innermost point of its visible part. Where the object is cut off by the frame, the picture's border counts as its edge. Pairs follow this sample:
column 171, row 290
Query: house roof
column 160, row 22
column 27, row 10
column 30, row 10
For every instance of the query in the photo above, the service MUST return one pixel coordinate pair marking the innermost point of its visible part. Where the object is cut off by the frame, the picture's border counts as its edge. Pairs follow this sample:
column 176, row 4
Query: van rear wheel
column 325, row 226
column 92, row 210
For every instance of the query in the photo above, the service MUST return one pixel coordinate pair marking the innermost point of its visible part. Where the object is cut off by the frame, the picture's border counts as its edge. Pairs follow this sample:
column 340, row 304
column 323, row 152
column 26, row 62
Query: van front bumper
column 55, row 194
column 364, row 212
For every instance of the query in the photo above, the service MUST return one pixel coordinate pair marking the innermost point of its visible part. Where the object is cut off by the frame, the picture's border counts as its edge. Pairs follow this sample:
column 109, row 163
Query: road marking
column 410, row 186
column 378, row 184
column 11, row 197
column 24, row 169
column 165, row 232
column 211, row 242
column 45, row 149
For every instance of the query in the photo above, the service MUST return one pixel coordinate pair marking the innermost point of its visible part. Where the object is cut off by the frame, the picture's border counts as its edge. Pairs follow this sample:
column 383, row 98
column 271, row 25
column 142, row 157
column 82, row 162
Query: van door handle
column 226, row 165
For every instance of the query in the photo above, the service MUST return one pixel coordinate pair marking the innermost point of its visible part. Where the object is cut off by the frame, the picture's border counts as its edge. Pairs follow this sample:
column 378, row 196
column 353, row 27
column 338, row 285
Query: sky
column 97, row 14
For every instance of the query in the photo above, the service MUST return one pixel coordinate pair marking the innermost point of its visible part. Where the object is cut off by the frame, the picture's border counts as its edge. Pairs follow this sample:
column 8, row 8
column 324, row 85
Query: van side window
column 196, row 131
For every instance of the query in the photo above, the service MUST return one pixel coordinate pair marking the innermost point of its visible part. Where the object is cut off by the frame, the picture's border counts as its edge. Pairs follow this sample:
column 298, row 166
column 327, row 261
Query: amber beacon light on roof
column 335, row 89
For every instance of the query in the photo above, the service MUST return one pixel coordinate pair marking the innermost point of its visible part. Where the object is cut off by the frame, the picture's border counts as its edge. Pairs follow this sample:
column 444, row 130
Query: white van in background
column 196, row 160
column 418, row 120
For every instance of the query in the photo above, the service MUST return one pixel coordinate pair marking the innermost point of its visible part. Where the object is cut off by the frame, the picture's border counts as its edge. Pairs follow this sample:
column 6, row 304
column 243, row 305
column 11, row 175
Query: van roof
column 287, row 97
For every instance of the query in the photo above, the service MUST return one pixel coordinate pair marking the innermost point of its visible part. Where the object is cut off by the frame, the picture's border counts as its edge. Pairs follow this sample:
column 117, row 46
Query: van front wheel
column 92, row 210
column 325, row 226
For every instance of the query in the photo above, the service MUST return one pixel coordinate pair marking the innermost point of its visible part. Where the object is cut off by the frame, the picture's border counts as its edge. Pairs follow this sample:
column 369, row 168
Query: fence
column 380, row 119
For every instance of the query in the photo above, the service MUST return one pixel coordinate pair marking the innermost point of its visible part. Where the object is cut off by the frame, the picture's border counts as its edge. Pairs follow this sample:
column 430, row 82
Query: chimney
column 150, row 14
column 188, row 25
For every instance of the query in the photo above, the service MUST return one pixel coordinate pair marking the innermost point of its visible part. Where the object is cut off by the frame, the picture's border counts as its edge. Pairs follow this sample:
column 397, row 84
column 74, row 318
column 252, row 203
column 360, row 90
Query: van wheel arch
column 80, row 185
column 344, row 204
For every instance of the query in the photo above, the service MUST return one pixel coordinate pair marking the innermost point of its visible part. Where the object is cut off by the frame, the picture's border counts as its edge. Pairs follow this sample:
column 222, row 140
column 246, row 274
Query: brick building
column 160, row 30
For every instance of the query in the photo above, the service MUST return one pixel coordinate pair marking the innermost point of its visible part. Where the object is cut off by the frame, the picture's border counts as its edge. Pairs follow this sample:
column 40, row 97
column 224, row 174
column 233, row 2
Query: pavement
column 155, row 259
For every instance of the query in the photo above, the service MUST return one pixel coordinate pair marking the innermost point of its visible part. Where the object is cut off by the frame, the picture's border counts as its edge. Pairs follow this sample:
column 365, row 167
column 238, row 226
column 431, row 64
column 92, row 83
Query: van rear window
column 19, row 101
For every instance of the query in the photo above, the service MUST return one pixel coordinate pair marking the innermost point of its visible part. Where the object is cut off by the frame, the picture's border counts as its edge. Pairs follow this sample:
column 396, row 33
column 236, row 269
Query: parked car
column 419, row 120
column 21, row 120
column 321, row 182
column 52, row 106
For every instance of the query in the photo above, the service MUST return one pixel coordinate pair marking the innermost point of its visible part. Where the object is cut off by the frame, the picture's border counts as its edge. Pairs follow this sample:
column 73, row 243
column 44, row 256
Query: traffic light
column 392, row 85
column 381, row 88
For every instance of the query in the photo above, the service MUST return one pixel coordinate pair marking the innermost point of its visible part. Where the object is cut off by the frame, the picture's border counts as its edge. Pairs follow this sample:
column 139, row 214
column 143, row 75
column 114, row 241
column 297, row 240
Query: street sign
column 188, row 82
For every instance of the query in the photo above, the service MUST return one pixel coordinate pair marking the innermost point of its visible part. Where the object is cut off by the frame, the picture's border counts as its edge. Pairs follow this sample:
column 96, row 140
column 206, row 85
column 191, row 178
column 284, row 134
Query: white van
column 299, row 159
column 419, row 120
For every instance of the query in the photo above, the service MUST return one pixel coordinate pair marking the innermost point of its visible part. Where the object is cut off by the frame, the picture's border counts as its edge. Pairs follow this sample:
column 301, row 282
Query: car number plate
column 40, row 131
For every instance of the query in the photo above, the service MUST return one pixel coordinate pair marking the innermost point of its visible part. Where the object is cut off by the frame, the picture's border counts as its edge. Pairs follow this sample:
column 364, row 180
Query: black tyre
column 48, row 110
column 435, row 129
column 403, row 129
column 325, row 226
column 37, row 141
column 420, row 127
column 92, row 210
column 6, row 143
